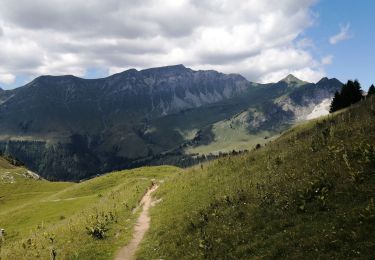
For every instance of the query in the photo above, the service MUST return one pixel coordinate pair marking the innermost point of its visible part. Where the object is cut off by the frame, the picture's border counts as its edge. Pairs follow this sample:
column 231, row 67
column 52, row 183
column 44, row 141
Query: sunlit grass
column 44, row 217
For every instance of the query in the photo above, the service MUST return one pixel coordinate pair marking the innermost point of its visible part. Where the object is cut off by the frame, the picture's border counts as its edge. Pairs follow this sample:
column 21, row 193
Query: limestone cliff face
column 305, row 100
column 300, row 101
column 173, row 88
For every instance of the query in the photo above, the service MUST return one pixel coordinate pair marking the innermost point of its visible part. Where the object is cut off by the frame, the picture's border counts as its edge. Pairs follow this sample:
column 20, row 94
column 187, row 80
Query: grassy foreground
column 88, row 220
column 308, row 195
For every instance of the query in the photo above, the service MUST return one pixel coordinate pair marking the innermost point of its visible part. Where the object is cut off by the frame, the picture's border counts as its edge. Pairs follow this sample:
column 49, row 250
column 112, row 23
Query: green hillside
column 310, row 194
column 233, row 134
column 4, row 164
column 43, row 218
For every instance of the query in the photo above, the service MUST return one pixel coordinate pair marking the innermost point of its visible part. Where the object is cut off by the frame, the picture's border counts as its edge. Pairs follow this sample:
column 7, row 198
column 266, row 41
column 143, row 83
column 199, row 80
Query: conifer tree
column 350, row 93
column 336, row 103
column 357, row 94
column 371, row 90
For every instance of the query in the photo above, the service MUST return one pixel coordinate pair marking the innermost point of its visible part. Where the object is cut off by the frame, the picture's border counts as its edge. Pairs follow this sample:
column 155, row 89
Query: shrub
column 97, row 224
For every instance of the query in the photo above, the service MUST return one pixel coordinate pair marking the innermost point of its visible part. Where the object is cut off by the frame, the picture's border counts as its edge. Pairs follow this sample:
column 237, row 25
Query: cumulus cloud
column 259, row 39
column 341, row 36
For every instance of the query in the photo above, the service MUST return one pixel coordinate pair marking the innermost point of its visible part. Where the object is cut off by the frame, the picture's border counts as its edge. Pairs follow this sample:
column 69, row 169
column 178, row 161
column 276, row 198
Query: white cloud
column 258, row 39
column 341, row 36
column 327, row 60
column 305, row 43
column 7, row 78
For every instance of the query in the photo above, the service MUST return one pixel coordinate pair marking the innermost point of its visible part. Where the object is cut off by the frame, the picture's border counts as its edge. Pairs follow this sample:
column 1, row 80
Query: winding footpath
column 140, row 229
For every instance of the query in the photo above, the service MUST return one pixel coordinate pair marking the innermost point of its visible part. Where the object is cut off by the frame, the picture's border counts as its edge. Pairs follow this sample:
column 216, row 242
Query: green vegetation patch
column 88, row 220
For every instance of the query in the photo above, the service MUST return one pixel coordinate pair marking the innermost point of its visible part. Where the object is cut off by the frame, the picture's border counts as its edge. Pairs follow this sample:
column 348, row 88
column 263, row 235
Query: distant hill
column 69, row 128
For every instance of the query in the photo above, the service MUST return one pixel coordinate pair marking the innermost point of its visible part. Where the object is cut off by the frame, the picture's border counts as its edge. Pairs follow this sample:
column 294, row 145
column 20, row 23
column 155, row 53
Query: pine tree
column 345, row 93
column 350, row 93
column 371, row 90
column 357, row 94
column 336, row 103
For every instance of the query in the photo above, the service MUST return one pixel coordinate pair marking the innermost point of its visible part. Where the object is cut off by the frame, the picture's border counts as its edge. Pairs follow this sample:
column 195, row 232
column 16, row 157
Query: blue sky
column 352, row 58
column 262, row 40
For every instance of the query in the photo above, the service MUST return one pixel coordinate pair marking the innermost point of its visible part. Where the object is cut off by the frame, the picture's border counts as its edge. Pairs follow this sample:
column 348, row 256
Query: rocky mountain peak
column 332, row 81
column 291, row 79
column 332, row 84
column 167, row 69
column 47, row 79
column 323, row 80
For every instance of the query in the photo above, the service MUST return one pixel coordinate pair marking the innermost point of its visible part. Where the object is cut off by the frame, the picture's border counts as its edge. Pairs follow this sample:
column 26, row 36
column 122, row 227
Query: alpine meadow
column 258, row 144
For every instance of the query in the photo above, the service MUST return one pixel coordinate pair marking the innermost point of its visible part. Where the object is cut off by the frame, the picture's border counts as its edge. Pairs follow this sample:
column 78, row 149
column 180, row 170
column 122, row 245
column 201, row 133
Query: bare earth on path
column 140, row 229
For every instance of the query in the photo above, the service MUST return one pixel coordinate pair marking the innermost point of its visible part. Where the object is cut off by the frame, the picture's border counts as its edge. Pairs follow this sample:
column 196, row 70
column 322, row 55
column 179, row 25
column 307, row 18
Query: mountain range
column 69, row 128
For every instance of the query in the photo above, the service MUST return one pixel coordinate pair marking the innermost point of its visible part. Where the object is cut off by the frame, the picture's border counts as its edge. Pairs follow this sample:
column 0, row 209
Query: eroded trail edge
column 141, row 227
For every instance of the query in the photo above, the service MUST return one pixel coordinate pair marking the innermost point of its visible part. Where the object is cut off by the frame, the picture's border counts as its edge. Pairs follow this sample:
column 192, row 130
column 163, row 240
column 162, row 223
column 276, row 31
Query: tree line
column 349, row 94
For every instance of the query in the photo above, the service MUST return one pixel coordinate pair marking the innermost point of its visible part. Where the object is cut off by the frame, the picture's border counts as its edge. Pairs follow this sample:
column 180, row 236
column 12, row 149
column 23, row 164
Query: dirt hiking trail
column 140, row 228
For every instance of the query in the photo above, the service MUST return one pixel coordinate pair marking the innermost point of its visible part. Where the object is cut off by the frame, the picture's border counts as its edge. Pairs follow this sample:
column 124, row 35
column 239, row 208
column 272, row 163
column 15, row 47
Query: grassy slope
column 16, row 190
column 233, row 134
column 4, row 164
column 41, row 216
column 310, row 194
